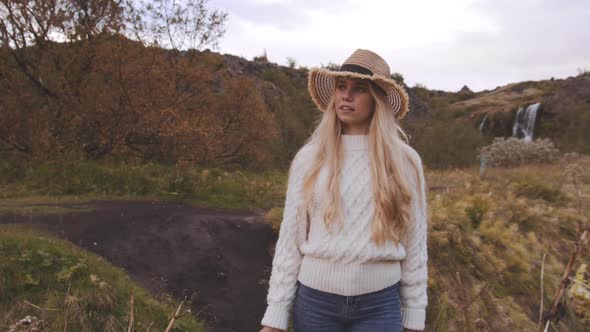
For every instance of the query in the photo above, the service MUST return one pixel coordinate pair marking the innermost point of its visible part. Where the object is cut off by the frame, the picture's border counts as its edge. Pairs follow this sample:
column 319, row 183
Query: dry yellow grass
column 494, row 234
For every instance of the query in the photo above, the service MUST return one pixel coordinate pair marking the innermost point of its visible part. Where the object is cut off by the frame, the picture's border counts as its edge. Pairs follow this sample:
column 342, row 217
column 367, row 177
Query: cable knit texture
column 346, row 261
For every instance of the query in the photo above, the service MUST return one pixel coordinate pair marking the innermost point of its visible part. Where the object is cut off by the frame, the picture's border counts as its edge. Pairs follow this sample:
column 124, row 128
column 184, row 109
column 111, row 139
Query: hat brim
column 322, row 83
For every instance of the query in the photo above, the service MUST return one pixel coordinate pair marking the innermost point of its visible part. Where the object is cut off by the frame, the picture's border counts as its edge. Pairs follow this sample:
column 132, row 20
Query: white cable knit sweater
column 347, row 262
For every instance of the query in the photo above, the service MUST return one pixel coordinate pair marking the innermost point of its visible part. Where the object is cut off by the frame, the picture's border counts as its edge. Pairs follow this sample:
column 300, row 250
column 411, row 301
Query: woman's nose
column 347, row 94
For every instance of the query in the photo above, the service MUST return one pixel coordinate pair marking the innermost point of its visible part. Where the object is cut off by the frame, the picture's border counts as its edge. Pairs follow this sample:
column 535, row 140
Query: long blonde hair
column 389, row 169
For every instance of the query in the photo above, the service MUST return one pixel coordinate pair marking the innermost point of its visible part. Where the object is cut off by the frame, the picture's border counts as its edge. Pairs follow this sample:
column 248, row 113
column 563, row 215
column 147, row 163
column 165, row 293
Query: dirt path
column 223, row 256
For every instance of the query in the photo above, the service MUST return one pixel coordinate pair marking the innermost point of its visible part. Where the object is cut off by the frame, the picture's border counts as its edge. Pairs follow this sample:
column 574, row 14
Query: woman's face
column 354, row 105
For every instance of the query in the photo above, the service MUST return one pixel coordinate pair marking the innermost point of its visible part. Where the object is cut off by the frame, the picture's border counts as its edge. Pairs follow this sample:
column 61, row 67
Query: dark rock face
column 465, row 93
column 465, row 90
column 500, row 124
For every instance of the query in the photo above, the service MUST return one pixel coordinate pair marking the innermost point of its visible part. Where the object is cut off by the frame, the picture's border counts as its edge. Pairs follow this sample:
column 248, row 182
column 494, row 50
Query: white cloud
column 443, row 44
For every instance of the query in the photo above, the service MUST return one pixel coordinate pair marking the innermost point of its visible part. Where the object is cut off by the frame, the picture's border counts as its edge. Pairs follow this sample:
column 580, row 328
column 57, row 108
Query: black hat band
column 356, row 69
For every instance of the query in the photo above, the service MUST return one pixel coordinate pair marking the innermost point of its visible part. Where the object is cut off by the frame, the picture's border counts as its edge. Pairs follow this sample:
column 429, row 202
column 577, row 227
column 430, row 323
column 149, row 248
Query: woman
column 351, row 253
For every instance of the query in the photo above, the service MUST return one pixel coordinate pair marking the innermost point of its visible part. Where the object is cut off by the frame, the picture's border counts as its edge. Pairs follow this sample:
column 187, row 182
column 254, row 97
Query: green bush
column 11, row 172
column 535, row 189
column 446, row 143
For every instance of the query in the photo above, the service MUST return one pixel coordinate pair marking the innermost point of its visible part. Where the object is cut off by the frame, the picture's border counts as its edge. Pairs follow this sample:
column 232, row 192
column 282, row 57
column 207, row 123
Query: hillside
column 114, row 99
column 564, row 114
column 112, row 119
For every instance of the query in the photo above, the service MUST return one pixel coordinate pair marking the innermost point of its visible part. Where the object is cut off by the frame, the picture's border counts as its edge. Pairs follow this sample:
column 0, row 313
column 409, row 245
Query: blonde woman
column 351, row 253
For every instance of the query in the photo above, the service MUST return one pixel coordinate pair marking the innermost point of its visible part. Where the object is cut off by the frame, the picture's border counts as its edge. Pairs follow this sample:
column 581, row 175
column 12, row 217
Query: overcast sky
column 443, row 44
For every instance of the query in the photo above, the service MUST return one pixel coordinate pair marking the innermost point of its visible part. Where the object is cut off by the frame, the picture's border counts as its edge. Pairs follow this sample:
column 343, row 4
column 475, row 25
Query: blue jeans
column 315, row 311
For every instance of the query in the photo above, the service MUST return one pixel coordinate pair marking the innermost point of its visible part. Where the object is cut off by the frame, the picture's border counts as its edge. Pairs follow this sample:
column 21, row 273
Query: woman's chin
column 345, row 116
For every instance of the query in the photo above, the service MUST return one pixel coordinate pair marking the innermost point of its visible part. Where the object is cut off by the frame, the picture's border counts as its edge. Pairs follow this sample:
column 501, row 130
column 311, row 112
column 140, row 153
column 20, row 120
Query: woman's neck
column 354, row 130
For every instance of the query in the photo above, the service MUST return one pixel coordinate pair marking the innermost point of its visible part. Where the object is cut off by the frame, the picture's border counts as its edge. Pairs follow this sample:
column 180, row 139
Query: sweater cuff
column 413, row 318
column 276, row 316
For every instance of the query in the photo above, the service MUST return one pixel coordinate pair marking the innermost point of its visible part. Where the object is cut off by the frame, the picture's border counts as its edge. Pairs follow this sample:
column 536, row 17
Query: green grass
column 38, row 209
column 492, row 230
column 82, row 181
column 36, row 271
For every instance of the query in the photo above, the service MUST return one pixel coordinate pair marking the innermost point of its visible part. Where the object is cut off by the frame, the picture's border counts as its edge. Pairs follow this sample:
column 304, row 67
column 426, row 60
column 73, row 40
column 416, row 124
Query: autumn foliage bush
column 119, row 100
column 102, row 95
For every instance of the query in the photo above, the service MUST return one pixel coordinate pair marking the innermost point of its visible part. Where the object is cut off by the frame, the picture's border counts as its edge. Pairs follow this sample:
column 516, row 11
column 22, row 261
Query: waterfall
column 483, row 123
column 524, row 122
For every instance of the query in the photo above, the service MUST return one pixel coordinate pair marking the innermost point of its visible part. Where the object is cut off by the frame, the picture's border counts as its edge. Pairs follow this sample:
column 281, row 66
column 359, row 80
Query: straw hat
column 362, row 64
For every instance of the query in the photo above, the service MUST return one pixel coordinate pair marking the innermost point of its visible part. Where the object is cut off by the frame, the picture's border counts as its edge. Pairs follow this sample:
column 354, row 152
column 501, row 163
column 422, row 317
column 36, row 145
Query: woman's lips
column 347, row 108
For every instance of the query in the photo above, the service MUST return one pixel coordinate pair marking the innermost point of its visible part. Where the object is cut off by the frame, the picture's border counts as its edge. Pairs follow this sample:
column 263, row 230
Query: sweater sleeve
column 287, row 257
column 414, row 274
